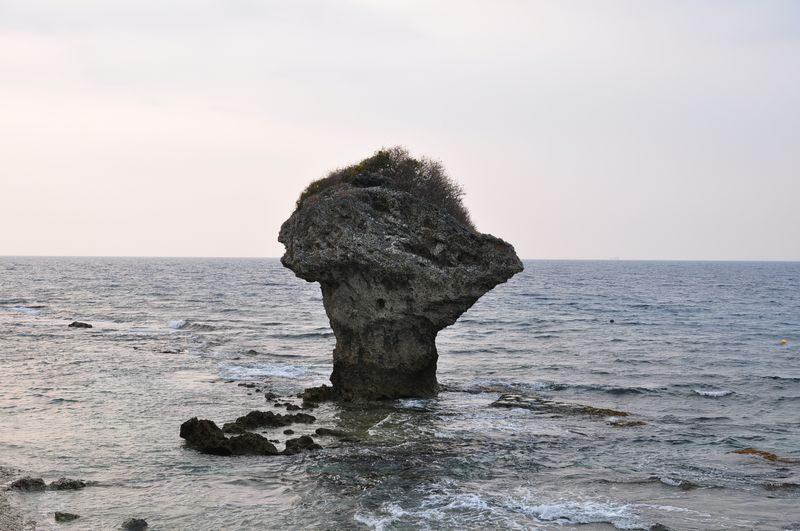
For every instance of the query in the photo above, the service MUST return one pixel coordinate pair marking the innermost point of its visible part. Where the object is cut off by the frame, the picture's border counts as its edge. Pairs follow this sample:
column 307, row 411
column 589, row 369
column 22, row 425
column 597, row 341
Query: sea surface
column 694, row 354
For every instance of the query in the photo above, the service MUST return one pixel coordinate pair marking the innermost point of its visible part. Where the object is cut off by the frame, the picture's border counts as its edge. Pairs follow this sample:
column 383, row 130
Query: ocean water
column 694, row 354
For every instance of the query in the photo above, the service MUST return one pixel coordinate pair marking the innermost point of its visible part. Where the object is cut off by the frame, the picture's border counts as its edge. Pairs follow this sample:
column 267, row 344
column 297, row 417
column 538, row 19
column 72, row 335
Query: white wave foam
column 414, row 403
column 238, row 372
column 26, row 311
column 451, row 509
column 177, row 324
column 712, row 394
column 588, row 512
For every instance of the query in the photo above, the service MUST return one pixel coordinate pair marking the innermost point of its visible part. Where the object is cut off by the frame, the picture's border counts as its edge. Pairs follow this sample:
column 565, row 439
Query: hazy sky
column 579, row 129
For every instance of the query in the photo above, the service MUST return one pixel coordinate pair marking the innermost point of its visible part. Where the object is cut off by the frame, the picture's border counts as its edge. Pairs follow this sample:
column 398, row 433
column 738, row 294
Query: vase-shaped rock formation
column 395, row 268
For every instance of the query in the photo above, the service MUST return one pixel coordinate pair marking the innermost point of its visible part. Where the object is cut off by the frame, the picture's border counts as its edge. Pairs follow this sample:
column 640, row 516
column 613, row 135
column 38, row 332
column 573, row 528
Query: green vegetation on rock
column 396, row 169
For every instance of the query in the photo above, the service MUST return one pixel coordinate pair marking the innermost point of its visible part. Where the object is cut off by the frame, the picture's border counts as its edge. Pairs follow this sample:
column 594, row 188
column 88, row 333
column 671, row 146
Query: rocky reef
column 398, row 259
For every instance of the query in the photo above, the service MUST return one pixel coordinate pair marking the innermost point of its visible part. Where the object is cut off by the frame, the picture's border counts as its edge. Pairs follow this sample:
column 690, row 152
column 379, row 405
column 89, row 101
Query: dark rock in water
column 268, row 419
column 271, row 396
column 323, row 393
column 627, row 423
column 250, row 444
column 300, row 444
column 251, row 352
column 134, row 524
column 249, row 385
column 201, row 433
column 28, row 484
column 205, row 436
column 288, row 432
column 65, row 517
column 332, row 432
column 293, row 407
column 66, row 484
column 78, row 324
column 544, row 405
column 394, row 268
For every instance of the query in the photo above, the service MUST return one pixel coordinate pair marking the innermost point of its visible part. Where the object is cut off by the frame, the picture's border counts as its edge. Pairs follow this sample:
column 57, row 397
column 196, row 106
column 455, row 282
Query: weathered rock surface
column 394, row 270
column 265, row 419
column 134, row 524
column 66, row 484
column 28, row 484
column 78, row 324
column 300, row 444
column 65, row 517
column 205, row 436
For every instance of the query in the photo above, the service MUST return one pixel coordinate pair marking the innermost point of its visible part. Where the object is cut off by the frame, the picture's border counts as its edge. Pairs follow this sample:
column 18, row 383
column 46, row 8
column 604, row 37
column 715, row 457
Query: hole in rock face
column 380, row 303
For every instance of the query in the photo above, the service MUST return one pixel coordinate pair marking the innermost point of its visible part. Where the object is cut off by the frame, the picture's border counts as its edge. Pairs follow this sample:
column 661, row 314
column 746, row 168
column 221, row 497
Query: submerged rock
column 78, row 324
column 66, row 484
column 544, row 405
column 769, row 456
column 266, row 419
column 395, row 265
column 28, row 484
column 65, row 517
column 332, row 432
column 300, row 444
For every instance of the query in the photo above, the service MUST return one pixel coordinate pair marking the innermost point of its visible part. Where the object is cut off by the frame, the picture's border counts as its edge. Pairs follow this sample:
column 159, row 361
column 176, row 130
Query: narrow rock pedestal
column 394, row 270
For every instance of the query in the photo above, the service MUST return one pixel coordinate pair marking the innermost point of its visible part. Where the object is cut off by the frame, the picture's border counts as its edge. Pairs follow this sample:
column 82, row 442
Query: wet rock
column 544, row 405
column 205, row 436
column 300, row 444
column 271, row 396
column 252, row 352
column 250, row 444
column 394, row 269
column 266, row 419
column 66, row 484
column 65, row 517
column 331, row 432
column 249, row 385
column 28, row 484
column 134, row 524
column 78, row 324
column 293, row 407
column 323, row 393
column 288, row 432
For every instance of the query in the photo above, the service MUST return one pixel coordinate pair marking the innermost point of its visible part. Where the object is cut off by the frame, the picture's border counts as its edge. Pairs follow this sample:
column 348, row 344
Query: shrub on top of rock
column 396, row 169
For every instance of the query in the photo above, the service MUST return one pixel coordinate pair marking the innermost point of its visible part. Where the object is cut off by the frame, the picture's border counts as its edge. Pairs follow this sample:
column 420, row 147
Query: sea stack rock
column 398, row 259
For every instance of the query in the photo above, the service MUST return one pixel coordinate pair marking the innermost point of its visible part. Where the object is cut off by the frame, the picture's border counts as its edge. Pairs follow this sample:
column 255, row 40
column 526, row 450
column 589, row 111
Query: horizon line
column 252, row 257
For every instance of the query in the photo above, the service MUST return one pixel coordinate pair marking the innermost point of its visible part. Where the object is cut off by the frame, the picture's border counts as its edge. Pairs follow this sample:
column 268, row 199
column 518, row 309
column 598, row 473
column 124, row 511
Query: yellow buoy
column 784, row 341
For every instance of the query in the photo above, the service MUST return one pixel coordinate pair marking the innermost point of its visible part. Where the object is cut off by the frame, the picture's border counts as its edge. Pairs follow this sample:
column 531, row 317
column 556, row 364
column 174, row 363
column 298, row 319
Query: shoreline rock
column 78, row 324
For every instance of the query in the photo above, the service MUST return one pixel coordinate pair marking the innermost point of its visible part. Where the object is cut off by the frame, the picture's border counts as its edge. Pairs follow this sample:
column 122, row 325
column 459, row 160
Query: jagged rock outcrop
column 394, row 270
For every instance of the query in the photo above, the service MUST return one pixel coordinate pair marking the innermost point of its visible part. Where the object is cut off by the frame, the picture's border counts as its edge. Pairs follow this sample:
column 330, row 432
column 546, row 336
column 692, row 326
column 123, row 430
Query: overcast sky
column 579, row 129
